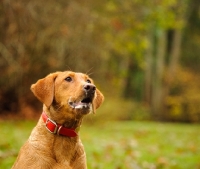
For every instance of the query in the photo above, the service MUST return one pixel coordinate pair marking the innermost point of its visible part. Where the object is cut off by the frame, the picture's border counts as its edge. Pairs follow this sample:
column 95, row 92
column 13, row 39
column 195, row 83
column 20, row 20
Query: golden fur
column 50, row 151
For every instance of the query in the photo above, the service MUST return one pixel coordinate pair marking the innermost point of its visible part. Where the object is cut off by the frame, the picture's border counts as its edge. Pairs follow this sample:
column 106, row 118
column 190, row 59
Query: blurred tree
column 149, row 42
column 38, row 38
column 135, row 44
column 166, row 20
column 191, row 37
column 183, row 100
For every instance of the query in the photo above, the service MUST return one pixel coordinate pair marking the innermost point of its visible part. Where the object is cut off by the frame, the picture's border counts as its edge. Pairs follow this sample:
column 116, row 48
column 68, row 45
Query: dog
column 54, row 142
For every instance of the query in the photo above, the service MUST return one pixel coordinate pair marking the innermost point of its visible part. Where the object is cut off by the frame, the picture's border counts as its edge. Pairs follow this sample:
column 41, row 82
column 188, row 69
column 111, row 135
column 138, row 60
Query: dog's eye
column 88, row 81
column 68, row 79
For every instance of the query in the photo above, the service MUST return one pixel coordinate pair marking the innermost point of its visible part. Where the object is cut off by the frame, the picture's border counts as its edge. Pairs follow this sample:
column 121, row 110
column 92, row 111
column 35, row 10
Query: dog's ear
column 43, row 89
column 99, row 98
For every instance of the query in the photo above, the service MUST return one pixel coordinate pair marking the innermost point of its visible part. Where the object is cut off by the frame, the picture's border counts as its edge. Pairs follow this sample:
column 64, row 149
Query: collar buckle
column 50, row 124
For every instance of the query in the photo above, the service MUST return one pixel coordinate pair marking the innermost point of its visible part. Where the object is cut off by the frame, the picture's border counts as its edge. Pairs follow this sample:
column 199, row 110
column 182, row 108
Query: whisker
column 60, row 106
column 88, row 72
column 69, row 67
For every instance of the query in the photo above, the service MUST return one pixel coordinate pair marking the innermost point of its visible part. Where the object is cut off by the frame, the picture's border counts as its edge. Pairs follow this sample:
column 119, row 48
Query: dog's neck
column 66, row 119
column 73, row 123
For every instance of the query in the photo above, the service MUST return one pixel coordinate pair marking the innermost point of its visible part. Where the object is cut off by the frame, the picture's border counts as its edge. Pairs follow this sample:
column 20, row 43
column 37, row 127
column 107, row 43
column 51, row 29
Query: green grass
column 120, row 145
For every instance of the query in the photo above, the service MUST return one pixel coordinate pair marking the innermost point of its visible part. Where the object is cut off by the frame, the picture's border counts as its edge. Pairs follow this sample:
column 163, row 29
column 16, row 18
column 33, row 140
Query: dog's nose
column 90, row 88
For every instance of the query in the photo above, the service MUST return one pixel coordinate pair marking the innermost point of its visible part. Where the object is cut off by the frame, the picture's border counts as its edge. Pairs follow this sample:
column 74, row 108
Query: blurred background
column 143, row 55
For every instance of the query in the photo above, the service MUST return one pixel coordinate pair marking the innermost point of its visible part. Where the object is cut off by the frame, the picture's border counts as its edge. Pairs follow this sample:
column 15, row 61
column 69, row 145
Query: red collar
column 55, row 128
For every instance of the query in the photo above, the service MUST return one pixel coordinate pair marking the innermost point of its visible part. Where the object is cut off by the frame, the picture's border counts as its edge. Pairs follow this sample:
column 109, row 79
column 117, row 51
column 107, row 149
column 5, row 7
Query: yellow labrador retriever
column 54, row 142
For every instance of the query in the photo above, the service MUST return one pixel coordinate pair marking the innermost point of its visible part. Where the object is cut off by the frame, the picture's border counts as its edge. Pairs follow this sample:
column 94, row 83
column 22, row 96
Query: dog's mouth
column 82, row 104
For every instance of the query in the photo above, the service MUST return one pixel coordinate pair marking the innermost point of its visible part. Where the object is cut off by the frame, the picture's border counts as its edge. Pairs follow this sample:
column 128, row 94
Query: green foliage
column 183, row 102
column 113, row 145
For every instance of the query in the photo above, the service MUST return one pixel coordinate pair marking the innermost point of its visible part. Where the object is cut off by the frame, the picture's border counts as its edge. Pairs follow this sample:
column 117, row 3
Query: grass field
column 120, row 145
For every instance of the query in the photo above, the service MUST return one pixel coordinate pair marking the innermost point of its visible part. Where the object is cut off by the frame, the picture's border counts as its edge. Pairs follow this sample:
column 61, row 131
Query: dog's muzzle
column 86, row 102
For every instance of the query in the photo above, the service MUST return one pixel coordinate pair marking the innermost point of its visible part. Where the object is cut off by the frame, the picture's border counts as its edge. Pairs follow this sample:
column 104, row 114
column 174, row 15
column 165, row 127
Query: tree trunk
column 174, row 55
column 157, row 88
column 148, row 69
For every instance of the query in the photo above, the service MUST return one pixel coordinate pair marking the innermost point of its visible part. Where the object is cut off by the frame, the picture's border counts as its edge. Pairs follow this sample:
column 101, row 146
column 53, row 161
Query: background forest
column 143, row 55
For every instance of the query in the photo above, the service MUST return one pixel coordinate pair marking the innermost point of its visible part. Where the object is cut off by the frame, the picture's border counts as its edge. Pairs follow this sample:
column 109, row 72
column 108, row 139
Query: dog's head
column 68, row 91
